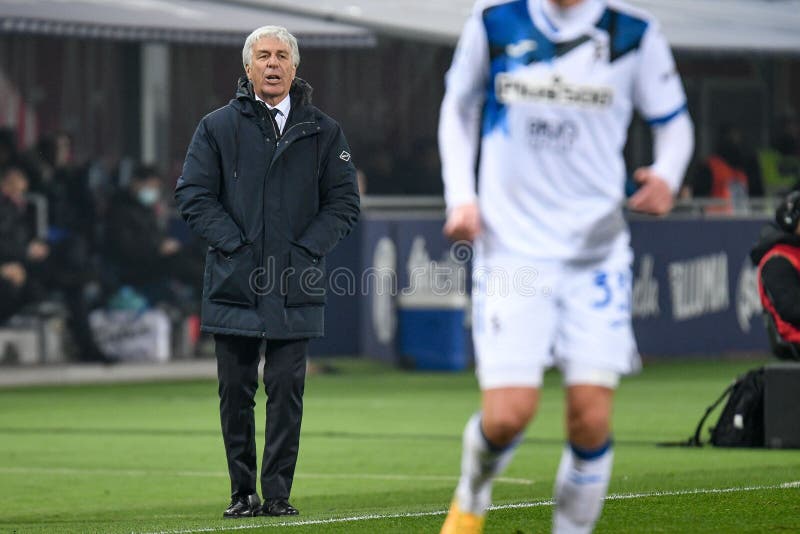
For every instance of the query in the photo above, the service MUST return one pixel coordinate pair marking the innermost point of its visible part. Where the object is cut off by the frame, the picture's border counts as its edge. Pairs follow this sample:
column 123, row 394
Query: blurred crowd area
column 77, row 237
column 735, row 171
column 80, row 236
column 119, row 103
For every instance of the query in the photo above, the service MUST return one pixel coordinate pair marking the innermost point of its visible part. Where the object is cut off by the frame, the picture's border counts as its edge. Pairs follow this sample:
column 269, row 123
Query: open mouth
column 273, row 78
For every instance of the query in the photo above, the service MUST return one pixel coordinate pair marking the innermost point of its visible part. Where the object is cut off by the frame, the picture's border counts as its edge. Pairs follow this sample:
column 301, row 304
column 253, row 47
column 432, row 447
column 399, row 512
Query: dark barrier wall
column 694, row 287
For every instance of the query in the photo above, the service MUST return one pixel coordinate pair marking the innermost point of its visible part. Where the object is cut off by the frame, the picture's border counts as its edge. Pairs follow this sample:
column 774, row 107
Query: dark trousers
column 284, row 381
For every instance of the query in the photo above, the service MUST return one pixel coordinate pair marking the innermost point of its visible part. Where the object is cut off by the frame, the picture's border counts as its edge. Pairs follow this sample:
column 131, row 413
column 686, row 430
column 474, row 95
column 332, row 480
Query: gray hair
column 278, row 32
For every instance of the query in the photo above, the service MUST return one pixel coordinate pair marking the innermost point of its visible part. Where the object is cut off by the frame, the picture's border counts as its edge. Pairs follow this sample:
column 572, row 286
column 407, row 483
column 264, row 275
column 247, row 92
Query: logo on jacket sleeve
column 344, row 156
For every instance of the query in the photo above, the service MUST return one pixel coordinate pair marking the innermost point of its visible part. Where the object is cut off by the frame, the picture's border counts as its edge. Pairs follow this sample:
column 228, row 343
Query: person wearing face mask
column 544, row 91
column 142, row 255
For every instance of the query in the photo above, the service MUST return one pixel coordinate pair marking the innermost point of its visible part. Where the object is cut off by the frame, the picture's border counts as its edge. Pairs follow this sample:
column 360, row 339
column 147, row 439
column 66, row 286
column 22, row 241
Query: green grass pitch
column 376, row 442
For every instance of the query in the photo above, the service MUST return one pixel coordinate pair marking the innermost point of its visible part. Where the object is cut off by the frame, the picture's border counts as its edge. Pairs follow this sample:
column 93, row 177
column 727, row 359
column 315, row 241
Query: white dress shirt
column 284, row 106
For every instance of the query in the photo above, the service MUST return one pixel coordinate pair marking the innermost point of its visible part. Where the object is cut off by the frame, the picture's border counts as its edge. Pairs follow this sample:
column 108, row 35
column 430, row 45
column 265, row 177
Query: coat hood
column 771, row 235
column 300, row 92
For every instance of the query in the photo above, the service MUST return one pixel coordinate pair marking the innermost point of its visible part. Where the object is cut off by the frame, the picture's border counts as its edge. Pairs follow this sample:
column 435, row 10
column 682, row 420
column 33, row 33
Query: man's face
column 271, row 70
column 147, row 191
column 14, row 185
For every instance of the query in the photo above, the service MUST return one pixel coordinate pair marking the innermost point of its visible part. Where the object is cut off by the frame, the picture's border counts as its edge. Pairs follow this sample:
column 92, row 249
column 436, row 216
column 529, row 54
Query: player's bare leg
column 585, row 468
column 490, row 438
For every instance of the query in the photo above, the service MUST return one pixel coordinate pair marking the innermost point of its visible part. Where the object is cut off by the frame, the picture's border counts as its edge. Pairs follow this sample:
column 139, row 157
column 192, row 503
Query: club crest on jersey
column 511, row 88
column 520, row 48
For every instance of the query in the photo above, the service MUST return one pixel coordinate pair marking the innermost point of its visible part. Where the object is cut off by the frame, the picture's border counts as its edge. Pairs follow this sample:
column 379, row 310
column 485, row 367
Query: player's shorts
column 528, row 316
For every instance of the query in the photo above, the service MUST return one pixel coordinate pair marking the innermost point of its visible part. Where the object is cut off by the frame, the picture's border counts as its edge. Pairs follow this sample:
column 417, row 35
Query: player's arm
column 673, row 144
column 660, row 98
column 459, row 129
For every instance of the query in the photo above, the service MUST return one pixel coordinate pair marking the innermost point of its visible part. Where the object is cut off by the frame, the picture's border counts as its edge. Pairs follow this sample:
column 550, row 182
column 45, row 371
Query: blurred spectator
column 730, row 173
column 780, row 162
column 13, row 240
column 71, row 210
column 33, row 272
column 141, row 252
column 16, row 226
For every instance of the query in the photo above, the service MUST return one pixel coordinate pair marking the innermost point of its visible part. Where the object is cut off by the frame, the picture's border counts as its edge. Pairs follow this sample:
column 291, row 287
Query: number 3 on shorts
column 614, row 289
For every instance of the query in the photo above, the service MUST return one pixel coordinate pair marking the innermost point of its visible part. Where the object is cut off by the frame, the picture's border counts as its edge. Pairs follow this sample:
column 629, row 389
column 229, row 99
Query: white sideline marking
column 222, row 474
column 534, row 504
column 446, row 478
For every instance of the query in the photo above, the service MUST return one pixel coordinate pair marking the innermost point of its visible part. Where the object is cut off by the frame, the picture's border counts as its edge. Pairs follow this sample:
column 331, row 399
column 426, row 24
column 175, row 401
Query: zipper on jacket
column 264, row 227
column 269, row 169
column 264, row 214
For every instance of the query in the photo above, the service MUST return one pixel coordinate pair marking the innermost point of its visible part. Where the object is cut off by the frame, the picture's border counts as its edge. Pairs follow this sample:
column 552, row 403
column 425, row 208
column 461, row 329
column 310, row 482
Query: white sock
column 581, row 486
column 480, row 463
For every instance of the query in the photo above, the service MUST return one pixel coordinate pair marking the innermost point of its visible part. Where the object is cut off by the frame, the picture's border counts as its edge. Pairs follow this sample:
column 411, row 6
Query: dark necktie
column 273, row 113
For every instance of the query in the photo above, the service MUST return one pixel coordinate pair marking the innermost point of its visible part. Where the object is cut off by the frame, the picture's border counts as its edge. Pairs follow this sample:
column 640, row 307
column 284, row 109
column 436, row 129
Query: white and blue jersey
column 550, row 94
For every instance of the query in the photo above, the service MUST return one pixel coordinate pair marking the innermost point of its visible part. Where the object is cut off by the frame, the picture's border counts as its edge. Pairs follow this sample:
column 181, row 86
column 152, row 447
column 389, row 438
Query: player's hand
column 13, row 272
column 463, row 222
column 654, row 196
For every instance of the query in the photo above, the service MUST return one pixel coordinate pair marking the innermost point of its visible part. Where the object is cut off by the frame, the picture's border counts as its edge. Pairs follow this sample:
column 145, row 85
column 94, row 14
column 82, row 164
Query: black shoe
column 277, row 507
column 243, row 506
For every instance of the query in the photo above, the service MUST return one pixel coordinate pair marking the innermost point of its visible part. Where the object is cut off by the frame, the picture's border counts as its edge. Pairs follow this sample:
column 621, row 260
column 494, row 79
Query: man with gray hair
column 269, row 183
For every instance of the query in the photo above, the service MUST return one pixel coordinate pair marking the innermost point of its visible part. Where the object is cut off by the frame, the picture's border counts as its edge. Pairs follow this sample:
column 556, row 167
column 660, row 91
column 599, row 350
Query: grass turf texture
column 149, row 457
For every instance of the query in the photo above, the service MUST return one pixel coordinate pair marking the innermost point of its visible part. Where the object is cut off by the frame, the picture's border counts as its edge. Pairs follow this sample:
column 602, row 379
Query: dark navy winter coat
column 270, row 209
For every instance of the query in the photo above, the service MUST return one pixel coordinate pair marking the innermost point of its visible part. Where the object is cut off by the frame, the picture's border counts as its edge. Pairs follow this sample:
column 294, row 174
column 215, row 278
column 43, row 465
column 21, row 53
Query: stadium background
column 128, row 81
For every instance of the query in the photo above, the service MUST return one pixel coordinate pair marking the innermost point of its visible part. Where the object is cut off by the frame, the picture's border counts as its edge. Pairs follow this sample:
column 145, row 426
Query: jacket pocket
column 305, row 280
column 230, row 277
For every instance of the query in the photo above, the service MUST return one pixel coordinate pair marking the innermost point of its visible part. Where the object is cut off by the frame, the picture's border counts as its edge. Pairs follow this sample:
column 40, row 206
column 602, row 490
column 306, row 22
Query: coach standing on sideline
column 269, row 184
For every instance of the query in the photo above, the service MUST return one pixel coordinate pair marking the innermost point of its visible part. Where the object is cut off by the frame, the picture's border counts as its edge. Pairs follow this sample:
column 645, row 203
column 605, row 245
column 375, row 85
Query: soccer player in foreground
column 546, row 88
